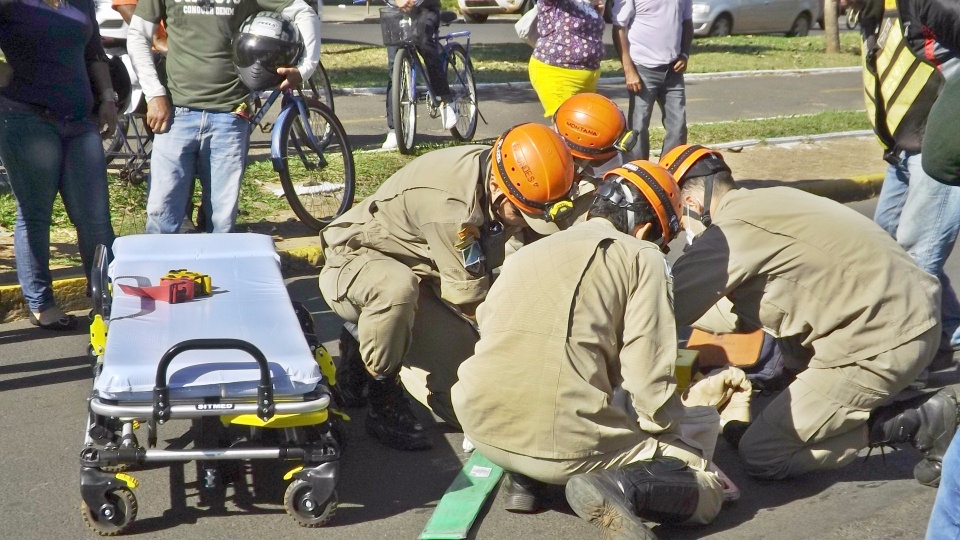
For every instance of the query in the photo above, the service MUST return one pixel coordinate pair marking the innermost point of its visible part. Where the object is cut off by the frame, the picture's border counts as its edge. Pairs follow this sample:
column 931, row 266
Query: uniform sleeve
column 457, row 285
column 687, row 13
column 623, row 12
column 649, row 354
column 704, row 274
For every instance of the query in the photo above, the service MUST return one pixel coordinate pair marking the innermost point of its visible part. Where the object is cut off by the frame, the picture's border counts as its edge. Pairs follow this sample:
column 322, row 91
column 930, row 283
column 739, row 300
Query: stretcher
column 240, row 363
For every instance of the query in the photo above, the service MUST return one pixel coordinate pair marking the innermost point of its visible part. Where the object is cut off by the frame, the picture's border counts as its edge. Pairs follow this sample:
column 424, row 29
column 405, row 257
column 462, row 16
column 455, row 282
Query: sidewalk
column 844, row 169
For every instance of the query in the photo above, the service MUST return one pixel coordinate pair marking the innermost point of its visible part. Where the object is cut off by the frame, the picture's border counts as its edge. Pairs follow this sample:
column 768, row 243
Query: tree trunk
column 831, row 30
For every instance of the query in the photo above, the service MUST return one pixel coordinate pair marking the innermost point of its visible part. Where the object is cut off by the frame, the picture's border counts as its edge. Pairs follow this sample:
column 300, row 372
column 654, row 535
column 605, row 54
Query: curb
column 525, row 85
column 71, row 292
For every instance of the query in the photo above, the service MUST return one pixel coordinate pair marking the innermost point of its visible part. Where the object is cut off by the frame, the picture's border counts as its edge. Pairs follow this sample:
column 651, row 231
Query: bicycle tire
column 113, row 144
column 319, row 86
column 464, row 89
column 319, row 182
column 403, row 101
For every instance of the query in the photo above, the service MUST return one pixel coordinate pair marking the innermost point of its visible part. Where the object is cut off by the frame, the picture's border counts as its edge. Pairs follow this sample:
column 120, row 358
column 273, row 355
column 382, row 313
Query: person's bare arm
column 107, row 114
column 686, row 40
column 125, row 11
column 630, row 75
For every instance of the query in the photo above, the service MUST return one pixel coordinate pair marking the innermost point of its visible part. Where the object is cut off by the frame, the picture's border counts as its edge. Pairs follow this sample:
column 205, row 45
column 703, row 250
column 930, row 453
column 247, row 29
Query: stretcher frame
column 301, row 426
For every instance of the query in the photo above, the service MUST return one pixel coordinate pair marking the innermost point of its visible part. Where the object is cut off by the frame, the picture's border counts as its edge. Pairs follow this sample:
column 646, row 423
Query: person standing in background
column 566, row 60
column 51, row 122
column 654, row 38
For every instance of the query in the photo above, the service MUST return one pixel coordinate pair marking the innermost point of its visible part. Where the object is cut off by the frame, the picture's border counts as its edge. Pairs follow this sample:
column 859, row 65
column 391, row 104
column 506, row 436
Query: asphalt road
column 384, row 494
column 498, row 29
column 714, row 100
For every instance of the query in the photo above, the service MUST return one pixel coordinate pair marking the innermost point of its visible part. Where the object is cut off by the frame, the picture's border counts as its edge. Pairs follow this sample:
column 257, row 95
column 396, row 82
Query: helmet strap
column 707, row 198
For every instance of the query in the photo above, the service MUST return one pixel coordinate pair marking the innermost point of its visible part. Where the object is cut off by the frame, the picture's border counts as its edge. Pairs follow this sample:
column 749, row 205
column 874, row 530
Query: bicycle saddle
column 447, row 17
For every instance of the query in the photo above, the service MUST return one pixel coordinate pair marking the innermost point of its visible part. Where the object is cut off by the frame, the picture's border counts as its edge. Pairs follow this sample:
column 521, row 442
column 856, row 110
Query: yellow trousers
column 555, row 84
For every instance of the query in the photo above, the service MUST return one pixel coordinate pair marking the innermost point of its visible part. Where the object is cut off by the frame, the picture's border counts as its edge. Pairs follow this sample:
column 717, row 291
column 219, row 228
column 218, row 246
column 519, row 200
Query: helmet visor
column 269, row 52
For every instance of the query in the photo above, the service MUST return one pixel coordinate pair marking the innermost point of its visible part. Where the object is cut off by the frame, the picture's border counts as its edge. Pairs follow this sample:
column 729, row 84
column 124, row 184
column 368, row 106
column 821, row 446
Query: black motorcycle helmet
column 265, row 42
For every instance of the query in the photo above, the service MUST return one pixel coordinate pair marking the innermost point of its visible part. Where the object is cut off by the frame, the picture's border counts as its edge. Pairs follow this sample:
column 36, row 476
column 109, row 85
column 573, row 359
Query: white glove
column 717, row 388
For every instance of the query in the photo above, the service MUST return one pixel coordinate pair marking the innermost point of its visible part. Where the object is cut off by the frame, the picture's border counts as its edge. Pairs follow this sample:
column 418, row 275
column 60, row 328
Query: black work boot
column 352, row 375
column 521, row 493
column 928, row 422
column 617, row 501
column 390, row 419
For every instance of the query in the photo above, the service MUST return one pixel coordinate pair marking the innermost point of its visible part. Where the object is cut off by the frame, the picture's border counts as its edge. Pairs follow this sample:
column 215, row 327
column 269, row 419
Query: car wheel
column 801, row 26
column 475, row 17
column 722, row 26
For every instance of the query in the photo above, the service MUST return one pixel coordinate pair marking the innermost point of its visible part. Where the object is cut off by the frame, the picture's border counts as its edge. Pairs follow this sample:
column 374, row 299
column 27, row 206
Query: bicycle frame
column 419, row 71
column 291, row 104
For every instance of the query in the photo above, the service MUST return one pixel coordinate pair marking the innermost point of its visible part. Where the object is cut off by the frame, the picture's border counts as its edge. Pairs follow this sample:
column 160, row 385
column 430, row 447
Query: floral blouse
column 571, row 34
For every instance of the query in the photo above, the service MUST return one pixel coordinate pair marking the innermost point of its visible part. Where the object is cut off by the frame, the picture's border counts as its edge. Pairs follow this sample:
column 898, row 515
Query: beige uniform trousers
column 402, row 324
column 558, row 471
column 820, row 420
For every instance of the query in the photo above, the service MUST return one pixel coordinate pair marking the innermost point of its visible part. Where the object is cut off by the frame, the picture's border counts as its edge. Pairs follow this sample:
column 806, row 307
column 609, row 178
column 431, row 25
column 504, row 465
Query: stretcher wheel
column 298, row 501
column 125, row 507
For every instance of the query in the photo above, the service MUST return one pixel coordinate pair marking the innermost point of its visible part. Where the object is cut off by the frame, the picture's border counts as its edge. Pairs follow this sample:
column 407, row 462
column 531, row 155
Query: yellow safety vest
column 899, row 89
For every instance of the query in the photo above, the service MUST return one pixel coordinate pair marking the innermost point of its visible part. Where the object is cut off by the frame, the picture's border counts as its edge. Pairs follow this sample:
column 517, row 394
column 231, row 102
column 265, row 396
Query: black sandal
column 63, row 324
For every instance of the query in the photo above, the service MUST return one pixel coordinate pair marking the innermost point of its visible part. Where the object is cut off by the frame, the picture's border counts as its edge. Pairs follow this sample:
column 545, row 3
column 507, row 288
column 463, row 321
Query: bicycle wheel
column 319, row 87
column 464, row 90
column 403, row 102
column 318, row 175
column 114, row 144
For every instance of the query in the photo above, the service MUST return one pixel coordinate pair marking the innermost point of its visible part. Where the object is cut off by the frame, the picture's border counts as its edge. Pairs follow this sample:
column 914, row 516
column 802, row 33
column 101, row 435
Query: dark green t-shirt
column 200, row 70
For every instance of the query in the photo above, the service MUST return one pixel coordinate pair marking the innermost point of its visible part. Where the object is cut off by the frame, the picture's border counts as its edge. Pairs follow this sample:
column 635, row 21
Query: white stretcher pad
column 249, row 302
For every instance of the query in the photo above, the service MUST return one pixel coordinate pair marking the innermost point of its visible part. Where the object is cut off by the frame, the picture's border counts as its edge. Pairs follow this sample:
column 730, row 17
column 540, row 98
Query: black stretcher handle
column 161, row 392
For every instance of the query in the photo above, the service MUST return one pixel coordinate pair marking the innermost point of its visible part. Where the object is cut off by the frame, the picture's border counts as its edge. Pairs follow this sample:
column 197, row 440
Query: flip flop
column 63, row 324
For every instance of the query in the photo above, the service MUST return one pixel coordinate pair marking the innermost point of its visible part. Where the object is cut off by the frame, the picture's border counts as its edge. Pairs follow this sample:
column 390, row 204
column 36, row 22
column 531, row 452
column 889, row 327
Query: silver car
column 477, row 11
column 724, row 17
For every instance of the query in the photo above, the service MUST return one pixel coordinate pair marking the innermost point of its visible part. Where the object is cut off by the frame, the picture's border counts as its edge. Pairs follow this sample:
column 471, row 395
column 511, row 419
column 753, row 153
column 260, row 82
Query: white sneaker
column 468, row 446
column 449, row 114
column 391, row 142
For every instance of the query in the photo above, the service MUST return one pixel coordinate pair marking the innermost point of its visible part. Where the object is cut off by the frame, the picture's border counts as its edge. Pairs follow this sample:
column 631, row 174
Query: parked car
column 724, row 17
column 477, row 11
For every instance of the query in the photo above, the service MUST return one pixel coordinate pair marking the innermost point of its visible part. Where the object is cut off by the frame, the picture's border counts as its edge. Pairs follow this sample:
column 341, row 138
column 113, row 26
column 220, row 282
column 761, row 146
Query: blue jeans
column 664, row 87
column 43, row 157
column 945, row 521
column 924, row 216
column 208, row 144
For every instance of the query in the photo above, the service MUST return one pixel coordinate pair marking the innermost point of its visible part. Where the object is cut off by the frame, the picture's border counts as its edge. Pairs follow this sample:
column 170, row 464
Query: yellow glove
column 738, row 408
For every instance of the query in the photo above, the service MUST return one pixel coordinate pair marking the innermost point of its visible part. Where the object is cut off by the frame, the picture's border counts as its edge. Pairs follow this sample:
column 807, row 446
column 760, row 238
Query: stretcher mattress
column 249, row 301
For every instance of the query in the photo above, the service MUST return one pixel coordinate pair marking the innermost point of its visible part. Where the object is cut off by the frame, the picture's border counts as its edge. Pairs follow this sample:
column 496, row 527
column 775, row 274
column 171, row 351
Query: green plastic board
column 460, row 504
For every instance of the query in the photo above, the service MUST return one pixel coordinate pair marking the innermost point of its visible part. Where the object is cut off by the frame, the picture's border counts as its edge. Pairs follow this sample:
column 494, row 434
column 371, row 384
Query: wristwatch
column 109, row 95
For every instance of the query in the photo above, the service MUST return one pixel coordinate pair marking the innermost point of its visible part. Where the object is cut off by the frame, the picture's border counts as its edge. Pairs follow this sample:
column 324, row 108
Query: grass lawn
column 353, row 65
column 257, row 201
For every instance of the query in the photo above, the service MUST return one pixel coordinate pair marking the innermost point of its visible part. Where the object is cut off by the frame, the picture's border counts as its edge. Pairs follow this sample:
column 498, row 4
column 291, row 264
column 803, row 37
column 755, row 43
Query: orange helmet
column 534, row 169
column 655, row 184
column 593, row 127
column 692, row 160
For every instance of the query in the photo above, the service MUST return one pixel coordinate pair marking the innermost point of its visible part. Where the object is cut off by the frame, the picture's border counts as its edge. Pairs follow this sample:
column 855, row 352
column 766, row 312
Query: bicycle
column 410, row 85
column 133, row 138
column 319, row 187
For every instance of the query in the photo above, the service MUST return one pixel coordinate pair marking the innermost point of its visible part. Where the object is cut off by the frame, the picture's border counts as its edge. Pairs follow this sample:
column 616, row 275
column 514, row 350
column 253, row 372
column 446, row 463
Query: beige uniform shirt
column 571, row 317
column 419, row 217
column 800, row 265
